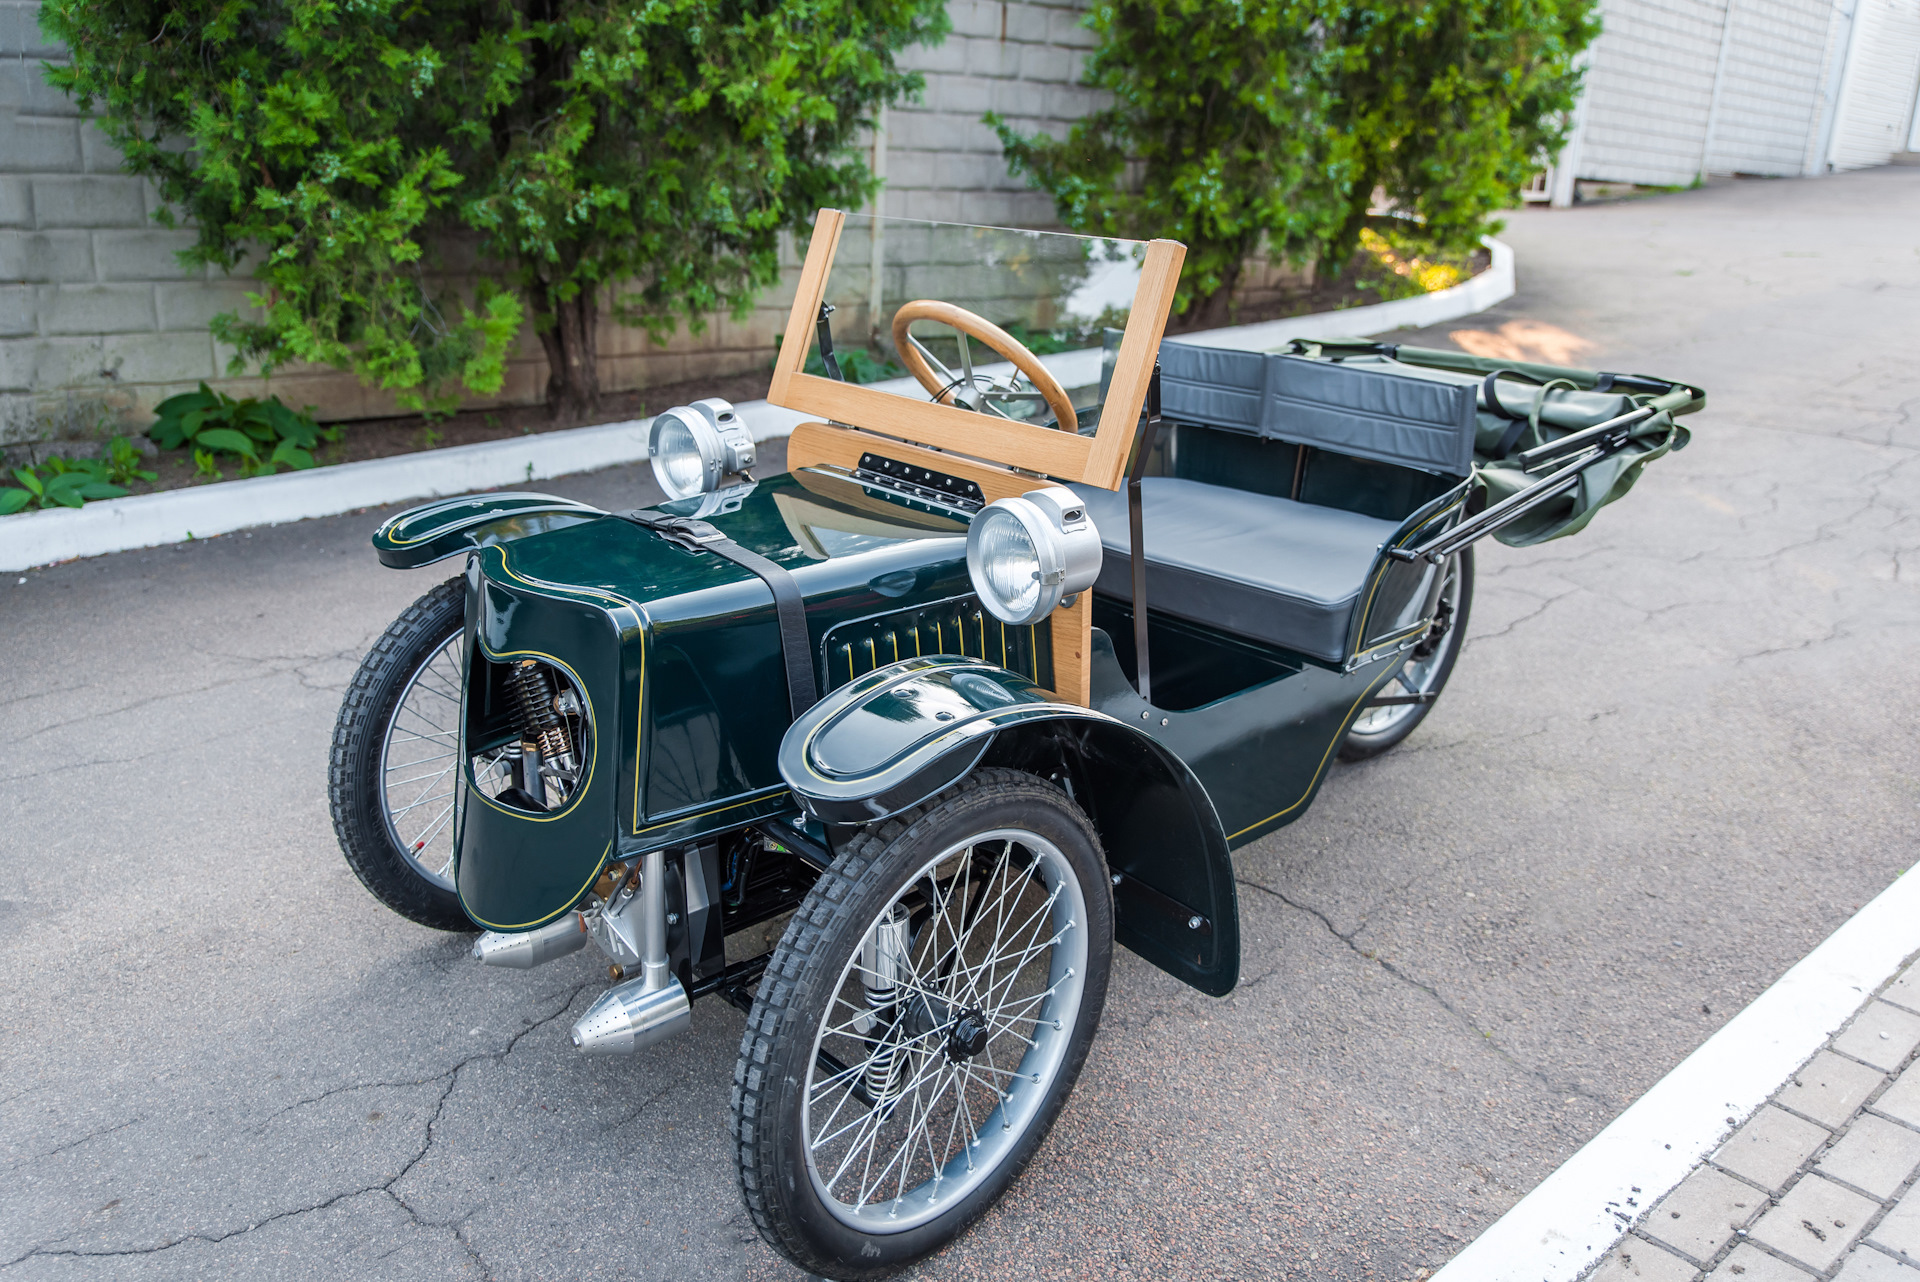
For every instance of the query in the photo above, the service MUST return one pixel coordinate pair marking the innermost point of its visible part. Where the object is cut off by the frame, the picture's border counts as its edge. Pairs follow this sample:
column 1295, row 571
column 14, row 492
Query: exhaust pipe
column 653, row 1006
column 526, row 950
column 631, row 1016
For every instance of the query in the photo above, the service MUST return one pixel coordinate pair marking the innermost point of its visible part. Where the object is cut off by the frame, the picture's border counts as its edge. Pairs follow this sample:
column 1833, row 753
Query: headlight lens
column 693, row 446
column 677, row 463
column 1026, row 555
column 1008, row 577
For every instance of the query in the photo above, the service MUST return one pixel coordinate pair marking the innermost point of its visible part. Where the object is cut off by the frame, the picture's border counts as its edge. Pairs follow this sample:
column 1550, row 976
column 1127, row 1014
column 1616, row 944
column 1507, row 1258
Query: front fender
column 900, row 734
column 447, row 527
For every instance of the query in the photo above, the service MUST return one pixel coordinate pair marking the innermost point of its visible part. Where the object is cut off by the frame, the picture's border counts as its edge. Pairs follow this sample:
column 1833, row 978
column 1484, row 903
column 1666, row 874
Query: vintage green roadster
column 906, row 695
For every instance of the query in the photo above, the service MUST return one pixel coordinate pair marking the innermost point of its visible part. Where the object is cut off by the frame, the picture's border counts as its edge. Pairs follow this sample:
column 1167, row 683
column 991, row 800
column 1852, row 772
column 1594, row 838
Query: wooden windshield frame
column 1099, row 460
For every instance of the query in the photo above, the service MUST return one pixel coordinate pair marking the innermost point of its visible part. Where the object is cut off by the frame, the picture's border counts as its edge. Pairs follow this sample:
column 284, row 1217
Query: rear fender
column 900, row 734
column 447, row 527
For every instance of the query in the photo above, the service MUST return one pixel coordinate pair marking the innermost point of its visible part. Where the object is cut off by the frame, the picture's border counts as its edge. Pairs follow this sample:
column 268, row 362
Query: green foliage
column 1452, row 106
column 1265, row 126
column 263, row 436
column 68, row 482
column 643, row 153
column 857, row 365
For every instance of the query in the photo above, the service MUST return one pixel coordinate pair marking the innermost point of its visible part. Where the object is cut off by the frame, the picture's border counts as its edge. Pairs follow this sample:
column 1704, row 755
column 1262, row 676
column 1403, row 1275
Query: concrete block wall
column 99, row 322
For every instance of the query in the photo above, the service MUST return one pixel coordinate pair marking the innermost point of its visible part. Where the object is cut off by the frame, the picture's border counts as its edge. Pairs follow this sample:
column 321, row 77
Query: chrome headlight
column 693, row 446
column 1026, row 555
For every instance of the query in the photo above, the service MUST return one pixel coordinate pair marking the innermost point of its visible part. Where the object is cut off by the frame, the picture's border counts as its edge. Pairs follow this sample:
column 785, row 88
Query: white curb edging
column 173, row 516
column 31, row 539
column 1573, row 1218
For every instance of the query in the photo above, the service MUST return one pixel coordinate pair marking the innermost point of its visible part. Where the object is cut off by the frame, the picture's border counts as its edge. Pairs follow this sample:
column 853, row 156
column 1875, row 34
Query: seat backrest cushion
column 1400, row 416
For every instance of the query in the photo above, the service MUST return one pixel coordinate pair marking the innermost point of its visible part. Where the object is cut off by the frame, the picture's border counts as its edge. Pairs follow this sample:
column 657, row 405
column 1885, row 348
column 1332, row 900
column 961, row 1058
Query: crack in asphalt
column 61, row 1148
column 1485, row 1037
column 452, row 1080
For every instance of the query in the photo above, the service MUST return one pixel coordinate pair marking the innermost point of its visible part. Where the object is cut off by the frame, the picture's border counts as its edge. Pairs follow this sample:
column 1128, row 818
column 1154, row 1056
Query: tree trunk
column 568, row 333
column 1341, row 250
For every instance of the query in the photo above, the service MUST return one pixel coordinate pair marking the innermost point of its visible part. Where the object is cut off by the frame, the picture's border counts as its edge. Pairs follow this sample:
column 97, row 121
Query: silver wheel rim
column 1419, row 673
column 1004, row 948
column 419, row 765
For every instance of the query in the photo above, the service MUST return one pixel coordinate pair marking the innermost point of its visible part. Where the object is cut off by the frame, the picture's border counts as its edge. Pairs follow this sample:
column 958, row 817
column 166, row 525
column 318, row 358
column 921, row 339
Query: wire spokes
column 945, row 1049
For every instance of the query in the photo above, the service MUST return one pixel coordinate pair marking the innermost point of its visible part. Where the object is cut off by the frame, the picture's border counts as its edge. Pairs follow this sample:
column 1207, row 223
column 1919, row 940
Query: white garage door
column 1876, row 100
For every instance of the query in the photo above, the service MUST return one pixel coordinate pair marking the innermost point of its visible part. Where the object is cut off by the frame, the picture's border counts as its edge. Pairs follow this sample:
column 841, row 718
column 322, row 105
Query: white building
column 1681, row 88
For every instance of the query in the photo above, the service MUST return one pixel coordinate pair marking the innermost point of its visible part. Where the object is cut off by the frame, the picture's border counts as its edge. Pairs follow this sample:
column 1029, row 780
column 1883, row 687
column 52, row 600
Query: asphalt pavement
column 1678, row 750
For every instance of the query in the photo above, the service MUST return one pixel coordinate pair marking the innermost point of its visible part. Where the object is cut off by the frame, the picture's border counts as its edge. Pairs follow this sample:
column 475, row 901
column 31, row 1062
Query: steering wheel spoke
column 941, row 383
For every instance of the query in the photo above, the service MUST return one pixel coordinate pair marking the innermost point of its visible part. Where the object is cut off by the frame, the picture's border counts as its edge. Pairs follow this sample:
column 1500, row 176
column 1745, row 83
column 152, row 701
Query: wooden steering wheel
column 946, row 387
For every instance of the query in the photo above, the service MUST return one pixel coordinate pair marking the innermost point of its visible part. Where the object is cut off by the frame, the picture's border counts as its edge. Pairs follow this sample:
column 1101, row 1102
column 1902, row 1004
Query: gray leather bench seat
column 1286, row 573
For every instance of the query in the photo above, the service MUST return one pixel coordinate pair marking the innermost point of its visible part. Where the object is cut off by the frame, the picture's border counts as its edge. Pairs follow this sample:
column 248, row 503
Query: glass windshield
column 1019, row 324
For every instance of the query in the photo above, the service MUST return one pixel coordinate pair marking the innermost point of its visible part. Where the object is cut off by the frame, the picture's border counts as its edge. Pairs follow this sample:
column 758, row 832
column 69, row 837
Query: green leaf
column 27, row 478
column 100, row 490
column 175, row 406
column 292, row 455
column 225, row 438
column 69, row 497
column 12, row 500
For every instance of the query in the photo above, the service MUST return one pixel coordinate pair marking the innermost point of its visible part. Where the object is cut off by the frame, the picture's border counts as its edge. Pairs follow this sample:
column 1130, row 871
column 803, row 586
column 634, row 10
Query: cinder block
column 39, row 144
column 20, row 34
column 17, row 311
column 909, row 169
column 143, row 255
column 98, row 152
column 966, row 95
column 949, row 56
column 89, row 202
column 1637, row 1261
column 16, row 202
column 1027, row 23
column 1829, row 1089
column 1019, row 97
column 45, row 256
column 1047, row 64
column 1069, row 103
column 1875, row 1156
column 96, row 309
column 999, row 59
column 1068, row 27
column 1815, row 1222
column 1771, row 1147
column 975, row 18
column 1881, row 1035
column 157, row 358
column 24, row 88
column 192, row 305
column 1700, row 1216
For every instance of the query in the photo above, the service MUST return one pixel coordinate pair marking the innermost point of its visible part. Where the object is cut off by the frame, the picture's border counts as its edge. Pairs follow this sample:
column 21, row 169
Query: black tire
column 819, row 957
column 1436, row 655
column 358, row 760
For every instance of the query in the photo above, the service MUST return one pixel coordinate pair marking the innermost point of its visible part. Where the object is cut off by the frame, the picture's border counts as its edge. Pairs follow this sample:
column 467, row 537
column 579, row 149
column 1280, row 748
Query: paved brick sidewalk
column 1819, row 1183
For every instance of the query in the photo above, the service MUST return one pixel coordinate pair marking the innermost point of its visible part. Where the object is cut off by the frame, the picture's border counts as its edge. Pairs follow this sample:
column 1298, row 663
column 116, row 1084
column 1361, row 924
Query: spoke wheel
column 922, row 1023
column 394, row 771
column 1424, row 670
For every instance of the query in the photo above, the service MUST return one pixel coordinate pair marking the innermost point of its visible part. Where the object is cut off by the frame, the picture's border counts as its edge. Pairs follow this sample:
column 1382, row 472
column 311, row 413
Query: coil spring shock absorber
column 881, row 958
column 540, row 725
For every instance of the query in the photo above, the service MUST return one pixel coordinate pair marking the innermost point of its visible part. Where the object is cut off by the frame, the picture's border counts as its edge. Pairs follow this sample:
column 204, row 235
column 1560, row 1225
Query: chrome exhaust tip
column 526, row 950
column 630, row 1016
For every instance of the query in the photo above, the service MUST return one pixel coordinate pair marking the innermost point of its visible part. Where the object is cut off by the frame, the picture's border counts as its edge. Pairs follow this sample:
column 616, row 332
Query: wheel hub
column 968, row 1036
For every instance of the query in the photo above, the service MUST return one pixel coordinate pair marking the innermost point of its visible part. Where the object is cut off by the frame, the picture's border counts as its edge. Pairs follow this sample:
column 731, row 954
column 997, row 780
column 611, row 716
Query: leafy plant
column 640, row 159
column 1275, row 123
column 69, row 482
column 263, row 435
column 1398, row 264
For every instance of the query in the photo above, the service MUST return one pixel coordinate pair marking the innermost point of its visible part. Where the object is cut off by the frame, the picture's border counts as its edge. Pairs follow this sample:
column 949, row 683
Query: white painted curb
column 1494, row 285
column 172, row 516
column 28, row 539
column 1564, row 1226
